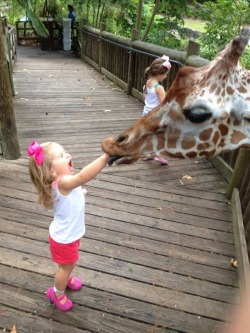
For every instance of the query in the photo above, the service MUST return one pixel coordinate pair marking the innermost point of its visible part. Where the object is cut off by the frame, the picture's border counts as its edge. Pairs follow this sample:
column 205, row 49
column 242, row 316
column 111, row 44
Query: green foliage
column 165, row 32
column 126, row 18
column 167, row 28
column 224, row 20
column 37, row 24
column 245, row 59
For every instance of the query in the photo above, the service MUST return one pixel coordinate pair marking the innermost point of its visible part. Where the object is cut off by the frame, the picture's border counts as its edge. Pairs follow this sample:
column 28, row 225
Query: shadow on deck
column 157, row 249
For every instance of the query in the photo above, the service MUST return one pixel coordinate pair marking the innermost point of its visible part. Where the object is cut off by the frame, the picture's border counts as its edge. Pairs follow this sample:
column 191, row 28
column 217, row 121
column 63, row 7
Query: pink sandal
column 161, row 160
column 66, row 306
column 76, row 284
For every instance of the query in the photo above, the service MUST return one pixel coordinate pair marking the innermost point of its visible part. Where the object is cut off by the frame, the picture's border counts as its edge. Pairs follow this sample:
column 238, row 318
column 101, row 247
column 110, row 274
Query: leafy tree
column 224, row 20
column 26, row 7
column 168, row 25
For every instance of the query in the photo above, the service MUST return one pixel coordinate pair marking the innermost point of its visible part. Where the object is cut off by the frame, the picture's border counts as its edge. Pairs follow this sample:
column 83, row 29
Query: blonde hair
column 156, row 68
column 42, row 177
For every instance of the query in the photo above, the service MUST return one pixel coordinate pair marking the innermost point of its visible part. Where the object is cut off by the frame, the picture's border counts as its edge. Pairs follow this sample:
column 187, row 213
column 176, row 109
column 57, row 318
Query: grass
column 195, row 24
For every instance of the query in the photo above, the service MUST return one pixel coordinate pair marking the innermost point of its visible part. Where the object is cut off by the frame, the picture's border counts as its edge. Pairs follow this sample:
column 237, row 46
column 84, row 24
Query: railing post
column 82, row 23
column 193, row 48
column 10, row 146
column 17, row 32
column 246, row 221
column 131, row 69
column 245, row 190
column 240, row 169
column 240, row 241
column 102, row 28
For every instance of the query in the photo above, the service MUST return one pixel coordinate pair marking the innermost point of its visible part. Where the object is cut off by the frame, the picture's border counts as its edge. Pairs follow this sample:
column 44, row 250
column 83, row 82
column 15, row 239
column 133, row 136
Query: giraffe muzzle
column 112, row 159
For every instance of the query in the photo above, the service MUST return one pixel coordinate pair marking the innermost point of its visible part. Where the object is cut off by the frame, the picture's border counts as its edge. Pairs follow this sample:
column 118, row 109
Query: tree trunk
column 139, row 15
column 156, row 6
column 8, row 133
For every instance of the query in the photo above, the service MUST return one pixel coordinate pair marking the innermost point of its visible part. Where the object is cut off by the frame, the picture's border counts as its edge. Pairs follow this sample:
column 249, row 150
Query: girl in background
column 153, row 91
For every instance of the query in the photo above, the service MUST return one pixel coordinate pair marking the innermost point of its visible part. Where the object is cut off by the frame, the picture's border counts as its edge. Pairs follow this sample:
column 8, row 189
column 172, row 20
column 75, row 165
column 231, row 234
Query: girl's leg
column 56, row 294
column 62, row 277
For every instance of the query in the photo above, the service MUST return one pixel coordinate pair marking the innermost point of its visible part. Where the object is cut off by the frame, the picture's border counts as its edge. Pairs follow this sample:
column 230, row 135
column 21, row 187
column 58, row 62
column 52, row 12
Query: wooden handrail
column 123, row 60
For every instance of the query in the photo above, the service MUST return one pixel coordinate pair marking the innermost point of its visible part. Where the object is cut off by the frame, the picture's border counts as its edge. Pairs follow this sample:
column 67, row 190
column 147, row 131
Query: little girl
column 153, row 91
column 52, row 173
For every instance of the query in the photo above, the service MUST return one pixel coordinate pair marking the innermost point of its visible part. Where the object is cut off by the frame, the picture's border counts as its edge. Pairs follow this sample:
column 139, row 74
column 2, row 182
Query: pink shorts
column 64, row 253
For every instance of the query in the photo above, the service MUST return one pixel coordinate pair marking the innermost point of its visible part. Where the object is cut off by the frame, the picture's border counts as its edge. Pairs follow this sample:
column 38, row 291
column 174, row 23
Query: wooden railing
column 27, row 34
column 235, row 167
column 124, row 60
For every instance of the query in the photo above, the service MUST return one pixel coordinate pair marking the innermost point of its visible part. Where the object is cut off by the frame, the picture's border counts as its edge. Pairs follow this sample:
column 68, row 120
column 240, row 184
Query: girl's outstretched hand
column 69, row 182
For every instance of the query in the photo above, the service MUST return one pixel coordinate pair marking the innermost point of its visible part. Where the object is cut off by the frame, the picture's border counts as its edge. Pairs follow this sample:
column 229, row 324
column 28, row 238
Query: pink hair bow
column 36, row 151
column 166, row 62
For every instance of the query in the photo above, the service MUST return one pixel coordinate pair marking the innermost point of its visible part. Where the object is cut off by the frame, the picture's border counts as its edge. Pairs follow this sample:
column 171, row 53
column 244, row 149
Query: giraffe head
column 206, row 111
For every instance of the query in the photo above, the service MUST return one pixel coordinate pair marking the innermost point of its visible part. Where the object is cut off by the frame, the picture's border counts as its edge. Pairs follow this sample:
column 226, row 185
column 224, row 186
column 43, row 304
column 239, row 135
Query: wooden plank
column 151, row 293
column 26, row 322
column 115, row 304
column 96, row 223
column 129, row 270
column 240, row 242
column 225, row 169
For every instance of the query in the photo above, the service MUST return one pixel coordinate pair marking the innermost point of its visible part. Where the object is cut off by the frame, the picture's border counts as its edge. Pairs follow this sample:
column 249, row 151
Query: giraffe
column 205, row 112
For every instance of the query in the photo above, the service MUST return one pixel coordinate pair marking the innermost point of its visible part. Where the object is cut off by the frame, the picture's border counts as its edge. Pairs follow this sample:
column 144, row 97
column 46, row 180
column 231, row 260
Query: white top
column 69, row 210
column 151, row 99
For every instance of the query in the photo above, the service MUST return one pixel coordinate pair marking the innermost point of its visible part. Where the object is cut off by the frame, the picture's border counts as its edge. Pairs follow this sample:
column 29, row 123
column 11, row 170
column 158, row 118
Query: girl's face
column 163, row 76
column 61, row 161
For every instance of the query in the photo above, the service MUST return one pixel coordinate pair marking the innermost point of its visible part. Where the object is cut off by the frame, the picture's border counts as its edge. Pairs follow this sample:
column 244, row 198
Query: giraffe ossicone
column 206, row 111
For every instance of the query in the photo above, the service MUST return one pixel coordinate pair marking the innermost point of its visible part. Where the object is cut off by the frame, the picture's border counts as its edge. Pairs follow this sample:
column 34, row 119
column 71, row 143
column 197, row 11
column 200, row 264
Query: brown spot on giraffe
column 188, row 142
column 206, row 134
column 207, row 153
column 173, row 137
column 216, row 137
column 230, row 90
column 218, row 91
column 191, row 154
column 242, row 90
column 236, row 122
column 212, row 88
column 179, row 155
column 237, row 136
column 203, row 146
column 222, row 143
column 223, row 129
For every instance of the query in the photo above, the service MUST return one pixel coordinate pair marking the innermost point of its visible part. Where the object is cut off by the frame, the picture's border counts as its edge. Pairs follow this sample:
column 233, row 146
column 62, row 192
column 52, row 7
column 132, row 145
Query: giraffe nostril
column 121, row 138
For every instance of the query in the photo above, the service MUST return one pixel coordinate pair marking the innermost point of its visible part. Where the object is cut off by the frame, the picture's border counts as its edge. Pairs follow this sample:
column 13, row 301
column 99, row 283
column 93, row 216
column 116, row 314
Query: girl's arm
column 160, row 92
column 69, row 182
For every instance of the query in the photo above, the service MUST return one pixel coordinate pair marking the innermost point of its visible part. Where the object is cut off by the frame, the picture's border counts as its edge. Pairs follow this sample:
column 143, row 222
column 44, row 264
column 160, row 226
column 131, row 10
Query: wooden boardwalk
column 157, row 249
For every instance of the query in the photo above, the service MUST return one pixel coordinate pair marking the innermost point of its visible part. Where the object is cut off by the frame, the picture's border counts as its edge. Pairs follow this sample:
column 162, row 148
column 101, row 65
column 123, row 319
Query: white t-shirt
column 69, row 211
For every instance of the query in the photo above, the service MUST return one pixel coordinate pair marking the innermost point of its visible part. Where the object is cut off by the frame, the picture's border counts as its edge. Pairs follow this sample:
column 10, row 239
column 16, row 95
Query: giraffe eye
column 247, row 119
column 197, row 114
